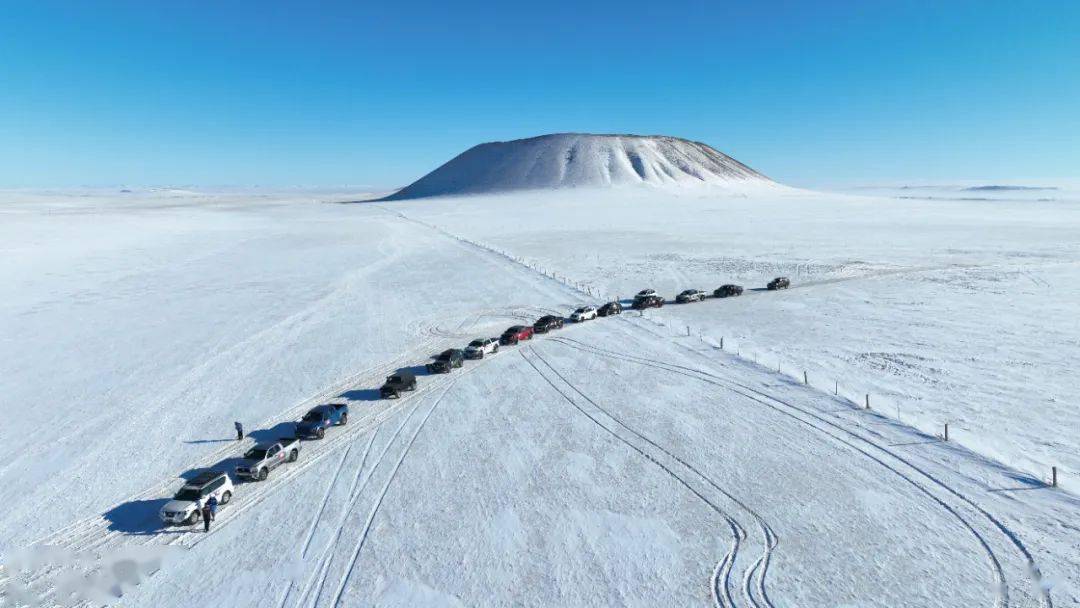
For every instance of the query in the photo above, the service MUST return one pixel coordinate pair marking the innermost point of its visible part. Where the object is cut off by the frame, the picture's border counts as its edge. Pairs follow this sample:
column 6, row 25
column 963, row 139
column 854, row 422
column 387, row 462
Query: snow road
column 615, row 462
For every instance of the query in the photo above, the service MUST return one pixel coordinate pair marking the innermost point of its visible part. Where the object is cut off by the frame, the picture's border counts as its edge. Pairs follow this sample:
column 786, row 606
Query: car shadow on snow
column 136, row 517
column 361, row 394
column 278, row 431
column 372, row 394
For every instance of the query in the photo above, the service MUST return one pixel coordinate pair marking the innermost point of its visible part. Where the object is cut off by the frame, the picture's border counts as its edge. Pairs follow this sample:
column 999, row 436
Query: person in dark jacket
column 212, row 503
column 207, row 516
column 239, row 430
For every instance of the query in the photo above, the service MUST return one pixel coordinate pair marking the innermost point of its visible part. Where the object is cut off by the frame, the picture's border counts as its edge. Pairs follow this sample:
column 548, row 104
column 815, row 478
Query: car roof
column 403, row 374
column 204, row 478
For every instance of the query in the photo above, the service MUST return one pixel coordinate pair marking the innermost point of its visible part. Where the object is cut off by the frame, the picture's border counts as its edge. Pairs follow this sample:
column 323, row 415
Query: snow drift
column 579, row 160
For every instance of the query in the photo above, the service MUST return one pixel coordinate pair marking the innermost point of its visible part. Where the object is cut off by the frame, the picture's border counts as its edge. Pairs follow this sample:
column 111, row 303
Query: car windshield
column 580, row 310
column 445, row 356
column 476, row 343
column 312, row 417
column 255, row 454
column 188, row 494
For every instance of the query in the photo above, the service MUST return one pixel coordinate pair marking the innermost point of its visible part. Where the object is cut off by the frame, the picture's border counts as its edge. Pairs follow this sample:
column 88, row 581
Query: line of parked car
column 259, row 461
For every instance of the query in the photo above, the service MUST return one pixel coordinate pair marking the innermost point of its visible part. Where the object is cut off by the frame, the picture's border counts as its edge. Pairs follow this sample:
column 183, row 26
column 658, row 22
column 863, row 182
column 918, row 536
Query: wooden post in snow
column 805, row 378
column 946, row 431
column 1053, row 477
column 867, row 400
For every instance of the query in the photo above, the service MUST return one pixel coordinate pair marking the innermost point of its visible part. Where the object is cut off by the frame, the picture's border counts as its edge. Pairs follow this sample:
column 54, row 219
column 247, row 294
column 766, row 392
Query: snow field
column 615, row 462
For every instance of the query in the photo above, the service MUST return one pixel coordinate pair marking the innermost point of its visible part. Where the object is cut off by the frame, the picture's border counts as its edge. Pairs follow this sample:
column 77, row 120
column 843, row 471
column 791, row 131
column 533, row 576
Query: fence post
column 721, row 342
column 688, row 330
column 946, row 431
column 867, row 400
column 836, row 387
column 1053, row 476
column 805, row 379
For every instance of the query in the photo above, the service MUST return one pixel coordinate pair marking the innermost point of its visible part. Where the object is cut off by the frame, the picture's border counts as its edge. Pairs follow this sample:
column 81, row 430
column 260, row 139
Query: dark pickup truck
column 318, row 419
column 778, row 283
column 725, row 291
column 397, row 384
column 446, row 361
column 611, row 308
column 547, row 323
column 649, row 301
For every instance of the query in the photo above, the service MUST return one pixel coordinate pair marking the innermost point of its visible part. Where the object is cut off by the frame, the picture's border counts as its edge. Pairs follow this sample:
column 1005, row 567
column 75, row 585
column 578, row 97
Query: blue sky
column 273, row 93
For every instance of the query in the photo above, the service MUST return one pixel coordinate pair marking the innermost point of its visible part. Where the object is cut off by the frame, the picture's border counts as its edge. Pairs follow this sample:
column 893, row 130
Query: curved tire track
column 867, row 448
column 720, row 584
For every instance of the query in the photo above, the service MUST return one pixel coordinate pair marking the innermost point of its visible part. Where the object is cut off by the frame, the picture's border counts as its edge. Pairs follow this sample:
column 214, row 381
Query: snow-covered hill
column 581, row 160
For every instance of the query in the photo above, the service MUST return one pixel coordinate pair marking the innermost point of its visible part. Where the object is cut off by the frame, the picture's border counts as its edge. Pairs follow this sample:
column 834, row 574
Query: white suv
column 584, row 313
column 480, row 347
column 185, row 505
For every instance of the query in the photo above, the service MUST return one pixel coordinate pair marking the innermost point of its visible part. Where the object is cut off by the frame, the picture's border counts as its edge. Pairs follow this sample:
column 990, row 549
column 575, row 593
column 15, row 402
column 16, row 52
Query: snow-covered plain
column 620, row 462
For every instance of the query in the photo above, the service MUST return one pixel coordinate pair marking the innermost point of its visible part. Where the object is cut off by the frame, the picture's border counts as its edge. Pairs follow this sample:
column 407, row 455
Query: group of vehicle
column 648, row 298
column 259, row 461
column 256, row 465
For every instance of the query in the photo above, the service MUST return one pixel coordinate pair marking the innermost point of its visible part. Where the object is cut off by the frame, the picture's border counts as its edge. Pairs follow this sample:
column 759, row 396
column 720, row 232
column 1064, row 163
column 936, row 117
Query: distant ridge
column 581, row 160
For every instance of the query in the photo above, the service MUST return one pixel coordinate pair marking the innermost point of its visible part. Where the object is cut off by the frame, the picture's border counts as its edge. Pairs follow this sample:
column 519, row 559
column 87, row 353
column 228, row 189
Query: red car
column 516, row 334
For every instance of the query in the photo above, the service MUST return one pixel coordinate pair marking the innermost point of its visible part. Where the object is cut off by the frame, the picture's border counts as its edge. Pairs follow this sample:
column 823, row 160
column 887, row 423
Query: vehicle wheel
column 226, row 497
column 344, row 419
column 412, row 388
column 263, row 474
column 495, row 350
column 320, row 433
column 293, row 455
column 191, row 519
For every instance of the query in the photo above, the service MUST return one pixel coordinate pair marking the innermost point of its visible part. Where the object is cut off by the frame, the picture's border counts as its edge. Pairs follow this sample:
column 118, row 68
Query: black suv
column 397, row 384
column 779, row 283
column 727, row 290
column 650, row 301
column 611, row 308
column 446, row 361
column 547, row 322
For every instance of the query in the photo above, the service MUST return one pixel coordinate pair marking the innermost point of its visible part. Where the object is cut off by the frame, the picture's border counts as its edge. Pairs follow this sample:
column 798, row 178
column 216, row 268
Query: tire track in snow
column 382, row 493
column 720, row 583
column 754, row 577
column 98, row 537
column 1032, row 570
column 326, row 499
column 856, row 442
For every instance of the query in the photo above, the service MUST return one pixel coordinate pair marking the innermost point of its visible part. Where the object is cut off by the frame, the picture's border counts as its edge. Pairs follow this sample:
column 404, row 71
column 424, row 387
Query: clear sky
column 379, row 92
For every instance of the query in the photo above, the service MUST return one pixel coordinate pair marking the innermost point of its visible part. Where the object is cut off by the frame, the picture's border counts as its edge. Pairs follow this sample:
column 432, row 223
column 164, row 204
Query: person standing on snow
column 207, row 516
column 239, row 430
column 212, row 503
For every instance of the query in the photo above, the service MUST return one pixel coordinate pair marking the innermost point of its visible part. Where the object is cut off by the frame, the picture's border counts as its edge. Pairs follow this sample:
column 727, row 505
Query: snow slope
column 580, row 160
column 618, row 462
